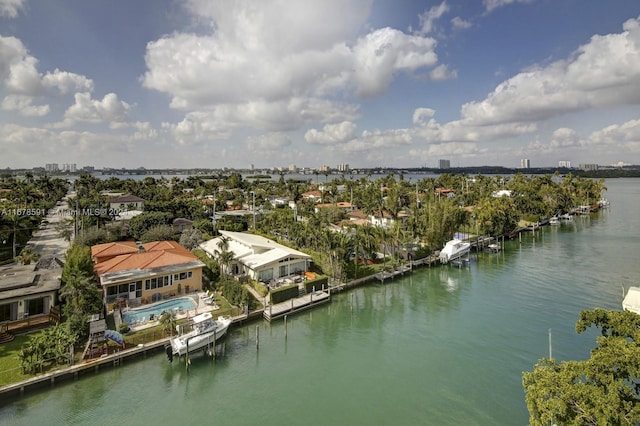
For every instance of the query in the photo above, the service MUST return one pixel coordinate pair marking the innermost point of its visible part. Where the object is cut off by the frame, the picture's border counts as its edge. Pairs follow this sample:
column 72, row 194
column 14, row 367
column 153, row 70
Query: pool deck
column 201, row 306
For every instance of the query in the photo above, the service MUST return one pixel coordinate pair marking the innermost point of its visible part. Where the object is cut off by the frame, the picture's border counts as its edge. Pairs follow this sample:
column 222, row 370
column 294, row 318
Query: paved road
column 45, row 241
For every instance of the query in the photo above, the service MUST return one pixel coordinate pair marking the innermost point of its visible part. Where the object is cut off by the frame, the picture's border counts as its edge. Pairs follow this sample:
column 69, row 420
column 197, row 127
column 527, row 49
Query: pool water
column 140, row 315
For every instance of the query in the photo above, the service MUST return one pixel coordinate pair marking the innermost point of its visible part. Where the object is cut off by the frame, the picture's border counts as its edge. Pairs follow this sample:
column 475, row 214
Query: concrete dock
column 296, row 304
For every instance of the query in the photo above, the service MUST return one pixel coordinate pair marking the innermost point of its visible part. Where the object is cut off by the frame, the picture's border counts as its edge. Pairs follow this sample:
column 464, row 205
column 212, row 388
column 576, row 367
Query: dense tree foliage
column 603, row 390
column 140, row 224
column 158, row 233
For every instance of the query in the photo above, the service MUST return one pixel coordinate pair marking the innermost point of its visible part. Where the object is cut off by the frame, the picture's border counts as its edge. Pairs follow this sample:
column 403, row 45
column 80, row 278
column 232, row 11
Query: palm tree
column 82, row 298
column 18, row 226
column 363, row 245
column 224, row 255
column 27, row 255
column 168, row 321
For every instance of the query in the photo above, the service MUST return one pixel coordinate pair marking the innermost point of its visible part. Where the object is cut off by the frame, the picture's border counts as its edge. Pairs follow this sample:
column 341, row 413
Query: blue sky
column 231, row 83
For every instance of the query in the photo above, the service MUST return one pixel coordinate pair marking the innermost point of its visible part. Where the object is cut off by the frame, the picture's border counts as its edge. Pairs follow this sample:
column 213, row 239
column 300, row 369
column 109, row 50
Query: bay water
column 439, row 346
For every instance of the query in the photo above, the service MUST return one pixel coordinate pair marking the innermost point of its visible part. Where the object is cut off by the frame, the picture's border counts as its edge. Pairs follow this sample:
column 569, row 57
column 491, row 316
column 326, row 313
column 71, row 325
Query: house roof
column 27, row 280
column 358, row 214
column 312, row 194
column 339, row 204
column 182, row 221
column 158, row 255
column 126, row 199
column 252, row 250
column 102, row 251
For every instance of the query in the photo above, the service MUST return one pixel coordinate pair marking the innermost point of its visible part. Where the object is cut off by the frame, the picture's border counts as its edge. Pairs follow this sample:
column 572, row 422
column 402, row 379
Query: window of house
column 35, row 306
column 5, row 312
column 138, row 288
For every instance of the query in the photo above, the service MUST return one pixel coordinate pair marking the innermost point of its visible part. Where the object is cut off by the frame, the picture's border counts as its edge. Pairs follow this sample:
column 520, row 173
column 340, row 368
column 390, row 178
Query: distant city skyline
column 364, row 84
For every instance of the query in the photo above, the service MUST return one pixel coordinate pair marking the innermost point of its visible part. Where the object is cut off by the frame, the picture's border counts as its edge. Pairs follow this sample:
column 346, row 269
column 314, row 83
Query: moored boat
column 453, row 250
column 205, row 331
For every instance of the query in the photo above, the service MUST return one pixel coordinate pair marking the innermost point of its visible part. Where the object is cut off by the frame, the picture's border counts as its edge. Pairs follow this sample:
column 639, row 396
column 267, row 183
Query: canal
column 441, row 346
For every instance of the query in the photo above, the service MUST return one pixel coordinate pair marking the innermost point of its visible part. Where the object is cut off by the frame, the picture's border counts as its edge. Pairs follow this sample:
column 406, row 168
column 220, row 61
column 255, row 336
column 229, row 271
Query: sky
column 274, row 83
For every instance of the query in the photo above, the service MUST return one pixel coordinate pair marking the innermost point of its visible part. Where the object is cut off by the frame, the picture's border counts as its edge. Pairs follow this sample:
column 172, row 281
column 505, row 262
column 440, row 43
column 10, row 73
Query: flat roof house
column 147, row 272
column 28, row 291
column 258, row 257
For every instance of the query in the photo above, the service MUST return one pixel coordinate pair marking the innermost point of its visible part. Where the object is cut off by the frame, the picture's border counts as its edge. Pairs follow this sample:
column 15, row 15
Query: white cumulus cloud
column 10, row 8
column 603, row 72
column 331, row 134
column 110, row 109
column 276, row 67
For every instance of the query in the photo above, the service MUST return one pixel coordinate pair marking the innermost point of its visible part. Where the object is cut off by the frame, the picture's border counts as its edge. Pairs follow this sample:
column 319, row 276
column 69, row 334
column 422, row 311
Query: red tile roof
column 105, row 251
column 156, row 254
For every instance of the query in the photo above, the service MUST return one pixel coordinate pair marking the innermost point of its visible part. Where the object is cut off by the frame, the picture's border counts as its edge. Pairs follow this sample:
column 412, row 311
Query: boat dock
column 383, row 275
column 297, row 304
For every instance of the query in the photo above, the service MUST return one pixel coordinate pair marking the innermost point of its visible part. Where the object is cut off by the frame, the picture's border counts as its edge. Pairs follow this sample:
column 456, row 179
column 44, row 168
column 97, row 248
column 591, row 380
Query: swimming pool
column 140, row 315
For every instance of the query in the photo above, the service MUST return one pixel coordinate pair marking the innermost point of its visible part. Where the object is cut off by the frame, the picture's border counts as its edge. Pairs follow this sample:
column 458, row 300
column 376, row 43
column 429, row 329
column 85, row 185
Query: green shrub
column 260, row 288
column 284, row 293
column 316, row 283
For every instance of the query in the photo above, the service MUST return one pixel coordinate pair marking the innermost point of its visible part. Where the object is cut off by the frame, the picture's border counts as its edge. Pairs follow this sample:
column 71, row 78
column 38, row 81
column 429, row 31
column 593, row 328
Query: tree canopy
column 603, row 390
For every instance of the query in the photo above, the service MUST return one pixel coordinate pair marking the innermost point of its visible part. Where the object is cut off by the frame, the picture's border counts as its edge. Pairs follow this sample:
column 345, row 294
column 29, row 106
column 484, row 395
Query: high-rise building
column 524, row 163
column 51, row 167
column 564, row 164
column 69, row 167
column 343, row 167
column 588, row 167
column 445, row 164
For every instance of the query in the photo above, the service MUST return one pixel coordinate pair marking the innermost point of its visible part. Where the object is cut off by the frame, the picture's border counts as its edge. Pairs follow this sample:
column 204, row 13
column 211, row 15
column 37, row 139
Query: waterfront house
column 142, row 273
column 29, row 291
column 358, row 217
column 257, row 257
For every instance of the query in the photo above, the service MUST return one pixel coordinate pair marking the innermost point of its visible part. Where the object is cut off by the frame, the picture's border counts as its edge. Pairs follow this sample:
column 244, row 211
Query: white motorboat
column 554, row 220
column 565, row 217
column 205, row 331
column 494, row 248
column 631, row 301
column 453, row 250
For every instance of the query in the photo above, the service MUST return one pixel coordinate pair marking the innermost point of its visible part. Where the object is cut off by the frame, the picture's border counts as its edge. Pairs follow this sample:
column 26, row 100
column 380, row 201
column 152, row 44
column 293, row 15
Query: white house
column 258, row 257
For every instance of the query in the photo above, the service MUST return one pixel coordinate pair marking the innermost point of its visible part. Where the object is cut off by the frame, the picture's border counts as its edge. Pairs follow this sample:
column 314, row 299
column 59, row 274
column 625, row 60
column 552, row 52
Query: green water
column 442, row 346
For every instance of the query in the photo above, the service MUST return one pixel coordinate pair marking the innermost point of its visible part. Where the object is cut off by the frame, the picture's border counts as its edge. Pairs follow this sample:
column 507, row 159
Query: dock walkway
column 297, row 304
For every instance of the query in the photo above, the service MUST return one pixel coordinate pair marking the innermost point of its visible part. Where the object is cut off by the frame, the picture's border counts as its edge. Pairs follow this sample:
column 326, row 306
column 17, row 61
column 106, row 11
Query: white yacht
column 453, row 250
column 205, row 331
column 631, row 301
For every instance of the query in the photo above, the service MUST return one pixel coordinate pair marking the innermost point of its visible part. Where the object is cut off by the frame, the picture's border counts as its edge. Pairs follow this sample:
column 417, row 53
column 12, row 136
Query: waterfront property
column 257, row 257
column 153, row 312
column 28, row 291
column 133, row 274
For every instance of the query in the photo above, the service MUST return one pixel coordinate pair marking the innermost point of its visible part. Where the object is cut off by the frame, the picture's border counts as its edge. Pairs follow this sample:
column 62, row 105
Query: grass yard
column 10, row 371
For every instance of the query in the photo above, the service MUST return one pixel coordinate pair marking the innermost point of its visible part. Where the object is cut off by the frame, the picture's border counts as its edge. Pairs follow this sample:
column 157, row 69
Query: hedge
column 318, row 283
column 284, row 293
